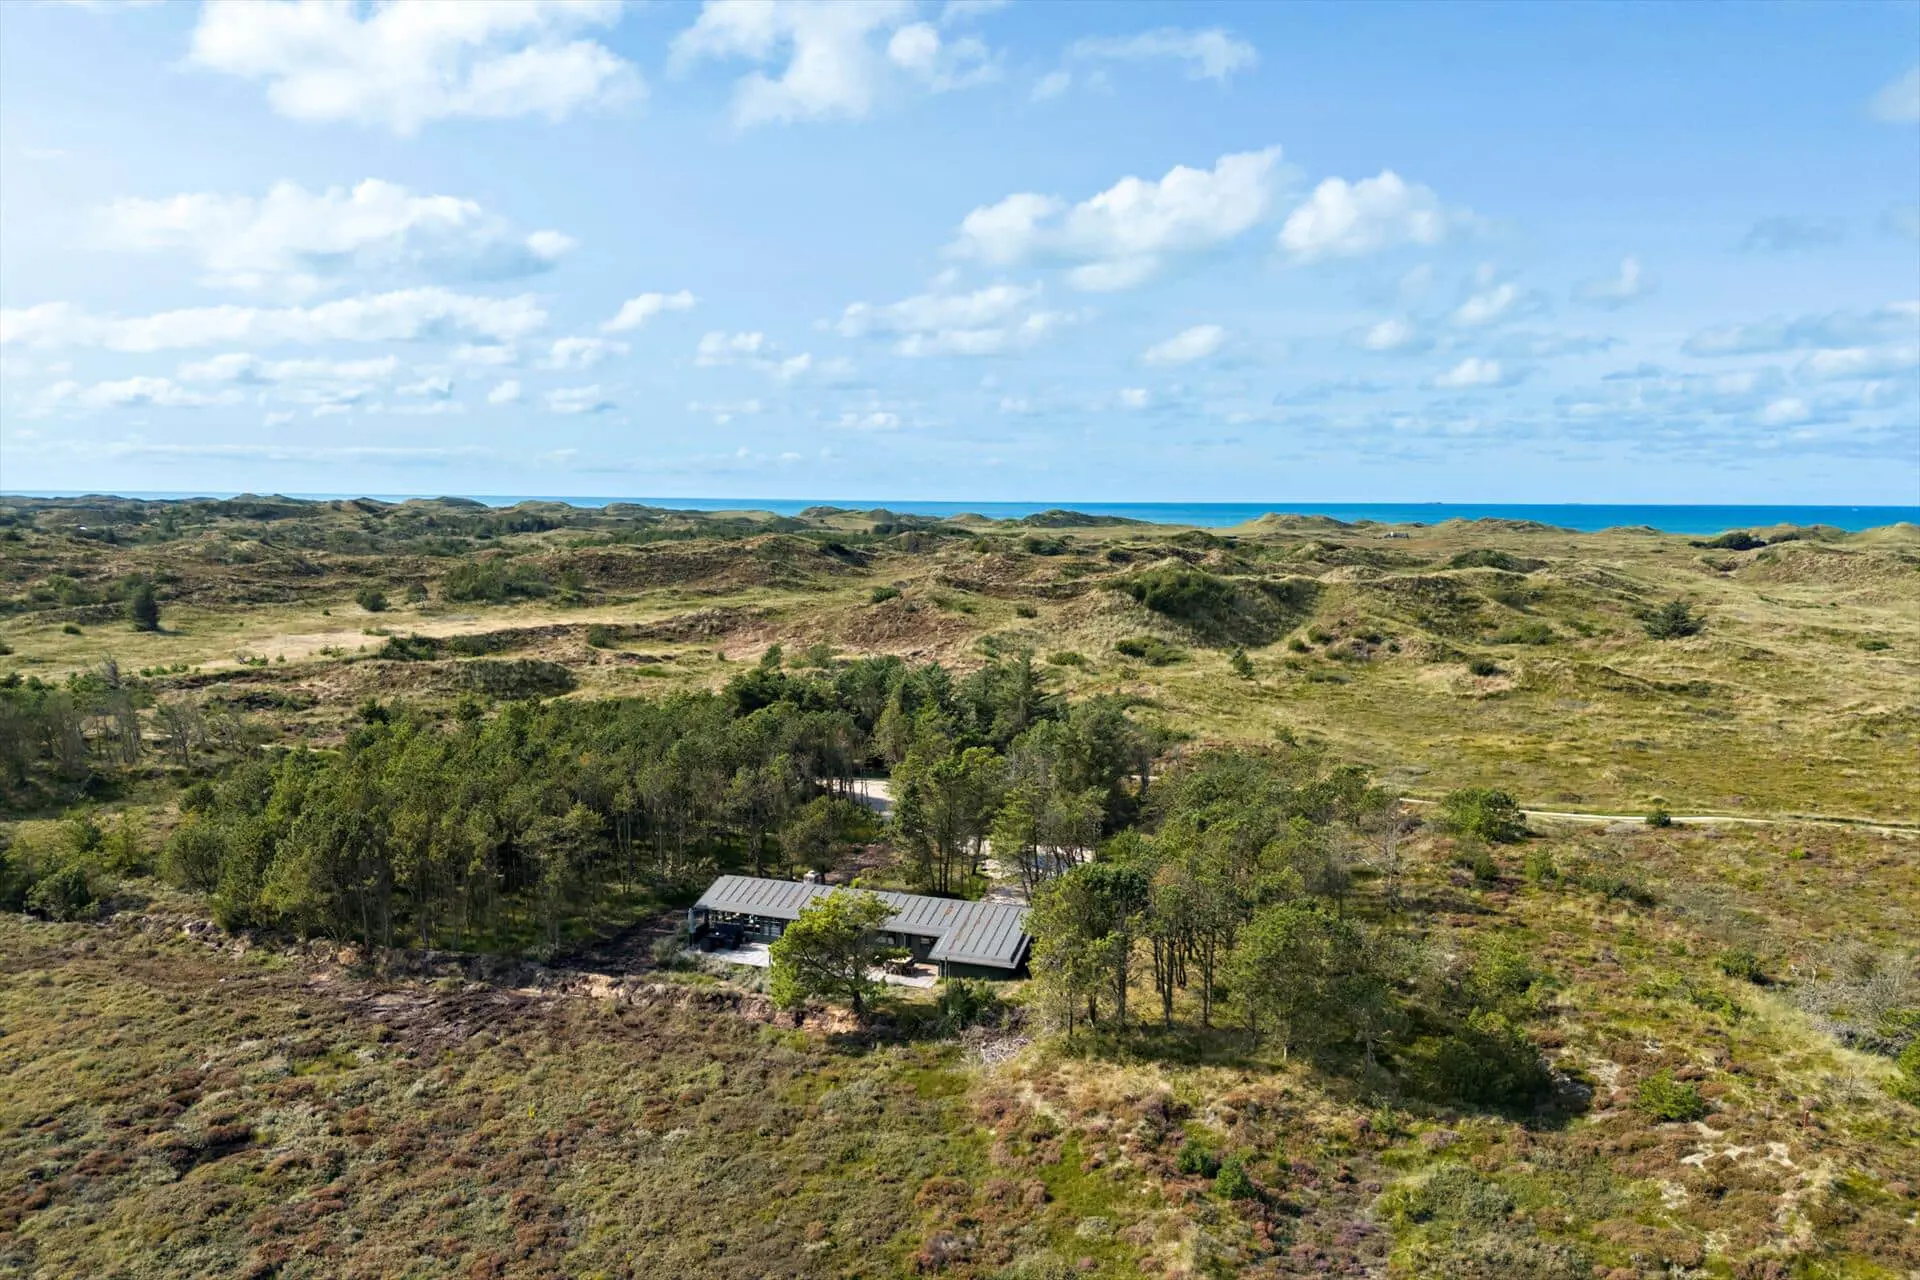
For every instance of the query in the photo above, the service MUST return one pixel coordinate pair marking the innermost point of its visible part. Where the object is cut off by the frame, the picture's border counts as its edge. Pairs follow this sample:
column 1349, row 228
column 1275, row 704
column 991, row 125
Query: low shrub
column 1484, row 667
column 1151, row 650
column 1483, row 814
column 601, row 636
column 1673, row 620
column 410, row 649
column 1532, row 631
column 1659, row 817
column 1738, row 962
column 1453, row 1193
column 1485, row 1061
column 1488, row 558
column 1195, row 1158
column 493, row 582
column 1025, row 611
column 372, row 599
column 880, row 595
column 1241, row 664
column 1664, row 1098
column 1066, row 658
column 1232, row 1180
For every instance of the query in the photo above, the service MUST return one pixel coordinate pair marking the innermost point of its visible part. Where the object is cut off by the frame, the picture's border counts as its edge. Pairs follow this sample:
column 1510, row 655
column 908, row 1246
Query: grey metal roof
column 983, row 933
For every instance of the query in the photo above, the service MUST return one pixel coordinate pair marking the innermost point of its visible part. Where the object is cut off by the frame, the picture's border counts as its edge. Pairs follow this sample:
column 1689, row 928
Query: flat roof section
column 983, row 933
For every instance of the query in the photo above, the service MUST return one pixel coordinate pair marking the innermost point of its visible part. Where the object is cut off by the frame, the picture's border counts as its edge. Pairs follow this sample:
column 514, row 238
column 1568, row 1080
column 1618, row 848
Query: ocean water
column 1585, row 517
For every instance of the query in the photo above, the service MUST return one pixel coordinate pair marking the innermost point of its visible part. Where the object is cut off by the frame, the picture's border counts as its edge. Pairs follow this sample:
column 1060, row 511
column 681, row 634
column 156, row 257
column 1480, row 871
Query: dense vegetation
column 291, row 867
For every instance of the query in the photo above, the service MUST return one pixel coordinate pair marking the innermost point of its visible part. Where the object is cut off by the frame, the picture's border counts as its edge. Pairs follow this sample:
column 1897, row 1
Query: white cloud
column 1211, row 54
column 1122, row 234
column 277, row 418
column 1475, row 371
column 1903, row 220
column 432, row 387
column 987, row 321
column 1861, row 362
column 1785, row 411
column 402, row 65
column 871, row 420
column 832, row 67
column 303, row 241
column 243, row 368
column 1197, row 343
column 718, row 348
column 1487, row 306
column 635, row 312
column 726, row 411
column 1134, row 397
column 382, row 317
column 1790, row 234
column 939, row 64
column 485, row 354
column 1899, row 102
column 1394, row 334
column 507, row 392
column 1343, row 219
column 581, row 353
column 578, row 400
column 1616, row 291
column 128, row 393
column 1052, row 85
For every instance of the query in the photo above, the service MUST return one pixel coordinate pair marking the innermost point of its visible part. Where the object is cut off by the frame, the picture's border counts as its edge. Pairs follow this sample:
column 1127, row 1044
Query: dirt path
column 1877, row 825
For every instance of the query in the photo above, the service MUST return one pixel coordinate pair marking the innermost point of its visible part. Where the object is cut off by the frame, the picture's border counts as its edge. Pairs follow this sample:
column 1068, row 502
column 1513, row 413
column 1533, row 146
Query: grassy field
column 190, row 1105
column 181, row 1101
column 1469, row 653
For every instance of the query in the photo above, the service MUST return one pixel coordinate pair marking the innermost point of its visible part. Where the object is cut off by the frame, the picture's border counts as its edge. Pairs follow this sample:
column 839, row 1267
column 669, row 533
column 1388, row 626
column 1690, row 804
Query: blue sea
column 1585, row 517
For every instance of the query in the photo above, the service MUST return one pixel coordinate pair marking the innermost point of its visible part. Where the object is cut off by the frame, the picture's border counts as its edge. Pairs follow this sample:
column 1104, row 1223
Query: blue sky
column 964, row 251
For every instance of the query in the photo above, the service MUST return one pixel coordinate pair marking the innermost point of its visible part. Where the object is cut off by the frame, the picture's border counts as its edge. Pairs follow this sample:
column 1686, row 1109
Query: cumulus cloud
column 1134, row 397
column 1394, row 334
column 1476, row 371
column 1629, row 285
column 1899, row 102
column 578, row 400
column 581, row 353
column 635, row 312
column 1494, row 304
column 1197, row 343
column 938, row 63
column 984, row 322
column 717, row 348
column 403, row 65
column 127, row 393
column 1210, row 54
column 1887, row 360
column 383, row 317
column 303, row 241
column 831, row 62
column 1121, row 236
column 507, row 392
column 1834, row 329
column 1348, row 219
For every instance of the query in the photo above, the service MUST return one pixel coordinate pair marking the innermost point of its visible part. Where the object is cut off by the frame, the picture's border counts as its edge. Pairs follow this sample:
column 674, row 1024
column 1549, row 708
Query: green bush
column 493, row 582
column 1034, row 545
column 1738, row 962
column 1151, row 650
column 1659, row 817
column 71, row 629
column 143, row 608
column 1488, row 558
column 1486, row 1061
column 1025, row 611
column 1540, row 868
column 1232, row 1180
column 371, row 599
column 1483, row 667
column 601, row 636
column 1195, row 1158
column 1066, row 658
column 1873, row 644
column 1673, row 620
column 1188, row 595
column 1452, row 1193
column 1664, row 1098
column 416, row 593
column 410, row 648
column 64, row 893
column 1532, row 631
column 880, row 595
column 1242, row 665
column 1483, row 814
column 1906, row 1084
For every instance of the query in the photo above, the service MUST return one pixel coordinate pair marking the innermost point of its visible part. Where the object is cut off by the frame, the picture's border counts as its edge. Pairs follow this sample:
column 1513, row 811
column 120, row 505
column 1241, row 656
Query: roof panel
column 984, row 933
